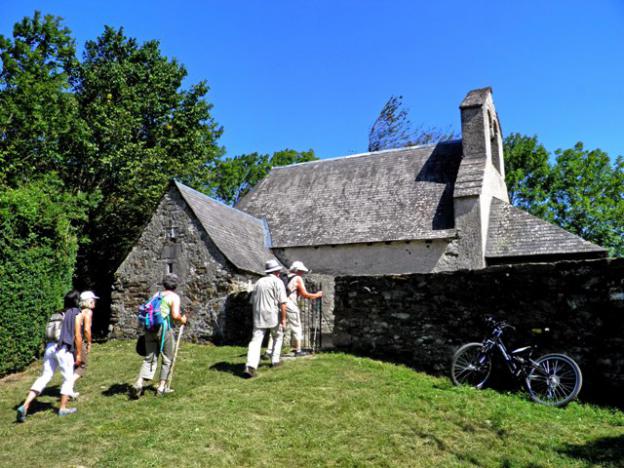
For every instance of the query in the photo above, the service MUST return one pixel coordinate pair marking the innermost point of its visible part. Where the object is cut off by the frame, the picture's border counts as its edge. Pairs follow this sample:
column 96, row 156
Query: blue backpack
column 149, row 313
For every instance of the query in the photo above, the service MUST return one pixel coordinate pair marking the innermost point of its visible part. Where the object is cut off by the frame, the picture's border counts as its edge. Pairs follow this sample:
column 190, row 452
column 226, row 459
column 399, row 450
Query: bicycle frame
column 495, row 341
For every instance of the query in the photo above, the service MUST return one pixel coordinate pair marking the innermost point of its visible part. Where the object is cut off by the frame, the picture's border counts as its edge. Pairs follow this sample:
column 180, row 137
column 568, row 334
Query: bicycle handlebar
column 502, row 324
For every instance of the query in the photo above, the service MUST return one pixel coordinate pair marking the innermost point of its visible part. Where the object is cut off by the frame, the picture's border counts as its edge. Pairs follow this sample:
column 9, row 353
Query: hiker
column 87, row 305
column 162, row 340
column 60, row 355
column 296, row 287
column 269, row 301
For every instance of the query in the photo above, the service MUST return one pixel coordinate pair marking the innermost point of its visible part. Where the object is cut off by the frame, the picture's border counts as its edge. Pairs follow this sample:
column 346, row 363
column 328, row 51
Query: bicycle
column 552, row 379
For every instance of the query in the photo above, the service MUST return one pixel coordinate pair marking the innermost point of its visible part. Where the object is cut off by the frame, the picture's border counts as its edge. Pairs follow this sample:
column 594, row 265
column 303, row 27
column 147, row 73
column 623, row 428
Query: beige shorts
column 293, row 319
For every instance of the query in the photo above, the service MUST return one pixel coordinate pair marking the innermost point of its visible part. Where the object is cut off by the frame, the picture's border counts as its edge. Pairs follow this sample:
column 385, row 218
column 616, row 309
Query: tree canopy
column 114, row 127
column 580, row 190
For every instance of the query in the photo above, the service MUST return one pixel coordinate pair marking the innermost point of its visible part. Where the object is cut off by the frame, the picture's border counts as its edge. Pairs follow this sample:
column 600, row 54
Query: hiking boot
column 164, row 391
column 301, row 353
column 250, row 372
column 276, row 364
column 67, row 411
column 136, row 392
column 21, row 414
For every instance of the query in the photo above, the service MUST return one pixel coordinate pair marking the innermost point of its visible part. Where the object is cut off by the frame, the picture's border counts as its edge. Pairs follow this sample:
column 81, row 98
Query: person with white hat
column 269, row 314
column 296, row 287
column 87, row 305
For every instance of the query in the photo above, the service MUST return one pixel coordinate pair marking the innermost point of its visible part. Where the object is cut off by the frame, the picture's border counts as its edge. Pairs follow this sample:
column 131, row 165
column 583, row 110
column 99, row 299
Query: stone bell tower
column 481, row 174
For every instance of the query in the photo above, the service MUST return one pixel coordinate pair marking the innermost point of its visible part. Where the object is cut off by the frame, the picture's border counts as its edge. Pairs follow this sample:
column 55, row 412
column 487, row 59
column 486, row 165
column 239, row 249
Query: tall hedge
column 37, row 256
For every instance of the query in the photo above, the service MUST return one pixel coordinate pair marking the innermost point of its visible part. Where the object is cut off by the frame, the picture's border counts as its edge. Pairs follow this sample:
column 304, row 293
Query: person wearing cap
column 269, row 314
column 87, row 305
column 161, row 341
column 295, row 288
column 59, row 355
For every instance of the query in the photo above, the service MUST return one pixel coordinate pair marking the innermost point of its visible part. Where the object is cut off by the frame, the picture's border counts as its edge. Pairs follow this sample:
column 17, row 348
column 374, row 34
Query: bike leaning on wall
column 552, row 379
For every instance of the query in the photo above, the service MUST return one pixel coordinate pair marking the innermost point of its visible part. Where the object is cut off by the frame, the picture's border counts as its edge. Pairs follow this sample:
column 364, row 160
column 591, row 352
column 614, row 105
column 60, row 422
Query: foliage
column 39, row 122
column 237, row 176
column 581, row 190
column 329, row 410
column 527, row 174
column 38, row 249
column 115, row 128
column 393, row 129
column 145, row 130
column 587, row 196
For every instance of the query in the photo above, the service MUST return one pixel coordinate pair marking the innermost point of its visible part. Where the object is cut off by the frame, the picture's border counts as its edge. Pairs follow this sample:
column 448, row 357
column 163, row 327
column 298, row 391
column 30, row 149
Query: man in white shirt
column 269, row 313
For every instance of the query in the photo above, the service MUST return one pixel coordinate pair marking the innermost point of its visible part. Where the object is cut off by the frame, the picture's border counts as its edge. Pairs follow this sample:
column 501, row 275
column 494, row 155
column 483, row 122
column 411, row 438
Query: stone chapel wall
column 175, row 241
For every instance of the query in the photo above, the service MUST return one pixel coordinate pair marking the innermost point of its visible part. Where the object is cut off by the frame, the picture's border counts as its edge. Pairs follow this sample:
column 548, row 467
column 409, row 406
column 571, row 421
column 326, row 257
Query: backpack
column 149, row 313
column 54, row 326
column 285, row 279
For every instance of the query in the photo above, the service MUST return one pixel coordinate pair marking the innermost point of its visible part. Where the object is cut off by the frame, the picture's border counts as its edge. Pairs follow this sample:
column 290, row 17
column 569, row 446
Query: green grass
column 329, row 410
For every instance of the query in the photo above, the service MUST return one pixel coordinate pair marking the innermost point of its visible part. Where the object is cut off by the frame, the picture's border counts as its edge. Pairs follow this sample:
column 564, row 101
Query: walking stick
column 175, row 355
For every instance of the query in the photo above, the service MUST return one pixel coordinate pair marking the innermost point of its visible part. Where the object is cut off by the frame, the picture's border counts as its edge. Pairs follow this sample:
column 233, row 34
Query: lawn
column 327, row 410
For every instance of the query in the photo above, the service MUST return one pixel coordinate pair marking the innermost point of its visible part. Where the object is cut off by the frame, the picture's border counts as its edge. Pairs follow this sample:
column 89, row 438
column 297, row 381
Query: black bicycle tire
column 456, row 373
column 569, row 395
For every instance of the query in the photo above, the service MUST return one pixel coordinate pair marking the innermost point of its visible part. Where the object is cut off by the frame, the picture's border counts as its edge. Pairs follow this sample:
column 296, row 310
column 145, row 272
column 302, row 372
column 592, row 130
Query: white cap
column 272, row 265
column 84, row 295
column 298, row 266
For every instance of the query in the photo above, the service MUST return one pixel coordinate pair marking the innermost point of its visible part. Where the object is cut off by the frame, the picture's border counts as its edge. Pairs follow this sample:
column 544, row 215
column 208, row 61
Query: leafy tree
column 39, row 118
column 587, row 196
column 393, row 129
column 236, row 176
column 144, row 130
column 527, row 174
column 580, row 190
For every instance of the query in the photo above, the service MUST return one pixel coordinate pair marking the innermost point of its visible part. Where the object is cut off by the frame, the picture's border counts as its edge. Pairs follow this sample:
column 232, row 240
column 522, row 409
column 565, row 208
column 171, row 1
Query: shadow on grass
column 237, row 370
column 117, row 389
column 608, row 451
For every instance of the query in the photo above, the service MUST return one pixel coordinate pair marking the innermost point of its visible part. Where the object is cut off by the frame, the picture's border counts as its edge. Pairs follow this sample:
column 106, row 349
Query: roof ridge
column 369, row 153
column 181, row 186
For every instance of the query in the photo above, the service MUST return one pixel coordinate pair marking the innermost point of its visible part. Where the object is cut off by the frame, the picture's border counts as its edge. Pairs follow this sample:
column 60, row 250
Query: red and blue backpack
column 149, row 313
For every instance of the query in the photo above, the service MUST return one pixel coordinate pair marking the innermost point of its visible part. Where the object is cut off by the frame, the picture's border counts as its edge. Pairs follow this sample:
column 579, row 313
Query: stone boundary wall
column 421, row 319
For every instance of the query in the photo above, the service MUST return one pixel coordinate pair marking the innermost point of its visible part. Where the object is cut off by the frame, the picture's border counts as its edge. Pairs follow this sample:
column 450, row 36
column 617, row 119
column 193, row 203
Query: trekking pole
column 320, row 312
column 313, row 327
column 175, row 355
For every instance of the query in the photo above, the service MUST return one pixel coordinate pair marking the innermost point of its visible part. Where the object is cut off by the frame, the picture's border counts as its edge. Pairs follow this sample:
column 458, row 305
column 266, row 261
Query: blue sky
column 315, row 74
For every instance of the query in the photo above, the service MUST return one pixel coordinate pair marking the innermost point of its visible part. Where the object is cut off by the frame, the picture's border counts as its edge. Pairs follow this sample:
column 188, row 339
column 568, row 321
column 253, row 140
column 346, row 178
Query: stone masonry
column 175, row 241
column 421, row 319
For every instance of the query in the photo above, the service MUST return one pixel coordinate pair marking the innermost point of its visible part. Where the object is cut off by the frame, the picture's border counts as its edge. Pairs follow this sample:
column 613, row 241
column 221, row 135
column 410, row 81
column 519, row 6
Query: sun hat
column 86, row 295
column 298, row 266
column 272, row 265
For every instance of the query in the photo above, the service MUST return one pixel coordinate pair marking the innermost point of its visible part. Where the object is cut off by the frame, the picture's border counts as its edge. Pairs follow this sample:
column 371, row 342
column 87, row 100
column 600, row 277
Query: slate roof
column 390, row 195
column 516, row 233
column 238, row 235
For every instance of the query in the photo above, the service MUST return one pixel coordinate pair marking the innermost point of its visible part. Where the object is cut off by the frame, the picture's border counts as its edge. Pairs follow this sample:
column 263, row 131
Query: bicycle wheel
column 471, row 366
column 554, row 380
